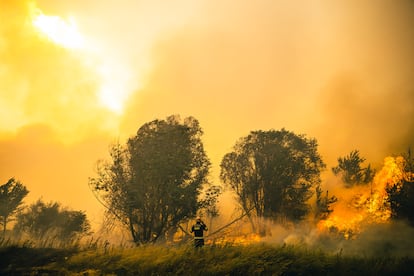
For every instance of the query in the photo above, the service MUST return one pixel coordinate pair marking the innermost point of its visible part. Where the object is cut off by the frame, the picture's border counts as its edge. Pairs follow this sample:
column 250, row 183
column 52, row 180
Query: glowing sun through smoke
column 61, row 32
column 115, row 83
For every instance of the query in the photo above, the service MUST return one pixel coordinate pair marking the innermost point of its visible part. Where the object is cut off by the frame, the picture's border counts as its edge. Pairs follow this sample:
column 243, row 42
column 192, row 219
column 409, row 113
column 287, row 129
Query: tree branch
column 232, row 222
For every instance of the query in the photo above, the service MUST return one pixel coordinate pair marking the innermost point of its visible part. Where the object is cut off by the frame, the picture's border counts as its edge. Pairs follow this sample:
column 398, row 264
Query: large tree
column 272, row 172
column 350, row 170
column 50, row 222
column 153, row 183
column 12, row 194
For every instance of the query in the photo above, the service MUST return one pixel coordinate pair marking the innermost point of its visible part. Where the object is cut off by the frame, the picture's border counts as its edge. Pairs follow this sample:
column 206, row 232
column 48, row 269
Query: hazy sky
column 338, row 71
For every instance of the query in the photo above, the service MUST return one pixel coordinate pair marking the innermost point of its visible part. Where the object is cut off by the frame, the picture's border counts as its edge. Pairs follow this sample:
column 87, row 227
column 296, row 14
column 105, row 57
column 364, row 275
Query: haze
column 338, row 71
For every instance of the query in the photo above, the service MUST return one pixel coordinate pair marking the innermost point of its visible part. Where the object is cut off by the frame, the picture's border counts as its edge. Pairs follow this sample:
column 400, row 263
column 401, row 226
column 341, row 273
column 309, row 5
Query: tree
column 49, row 221
column 272, row 172
column 401, row 194
column 153, row 183
column 209, row 203
column 323, row 204
column 351, row 172
column 11, row 198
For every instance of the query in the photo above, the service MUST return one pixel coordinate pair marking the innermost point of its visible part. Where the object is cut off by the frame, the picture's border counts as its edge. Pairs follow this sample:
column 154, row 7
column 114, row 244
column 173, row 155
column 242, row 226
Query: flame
column 114, row 76
column 246, row 239
column 364, row 205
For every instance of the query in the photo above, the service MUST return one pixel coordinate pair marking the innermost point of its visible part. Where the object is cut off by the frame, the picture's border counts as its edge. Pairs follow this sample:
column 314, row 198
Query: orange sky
column 338, row 71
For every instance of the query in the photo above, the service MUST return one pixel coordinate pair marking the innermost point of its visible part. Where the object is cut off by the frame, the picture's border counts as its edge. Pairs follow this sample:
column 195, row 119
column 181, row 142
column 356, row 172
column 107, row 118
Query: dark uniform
column 198, row 229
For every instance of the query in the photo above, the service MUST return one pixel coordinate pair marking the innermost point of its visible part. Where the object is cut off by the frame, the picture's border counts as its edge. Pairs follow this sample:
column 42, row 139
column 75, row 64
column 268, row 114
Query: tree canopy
column 153, row 183
column 323, row 204
column 351, row 171
column 12, row 194
column 272, row 172
column 49, row 221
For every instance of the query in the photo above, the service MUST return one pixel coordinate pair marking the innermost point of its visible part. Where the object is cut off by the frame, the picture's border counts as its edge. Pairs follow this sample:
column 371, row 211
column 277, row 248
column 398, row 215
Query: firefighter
column 198, row 229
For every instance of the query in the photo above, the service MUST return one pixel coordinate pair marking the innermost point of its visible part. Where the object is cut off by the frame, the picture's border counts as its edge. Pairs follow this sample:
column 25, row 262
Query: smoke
column 384, row 240
column 368, row 103
column 332, row 70
column 52, row 170
column 41, row 82
column 360, row 223
column 52, row 129
column 336, row 71
column 393, row 239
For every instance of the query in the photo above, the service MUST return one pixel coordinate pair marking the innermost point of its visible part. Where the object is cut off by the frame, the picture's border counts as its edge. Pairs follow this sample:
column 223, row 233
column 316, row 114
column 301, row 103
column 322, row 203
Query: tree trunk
column 254, row 230
column 4, row 226
column 132, row 230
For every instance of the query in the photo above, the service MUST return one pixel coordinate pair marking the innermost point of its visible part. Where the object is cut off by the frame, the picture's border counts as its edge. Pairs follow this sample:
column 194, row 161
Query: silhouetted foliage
column 401, row 194
column 323, row 204
column 49, row 221
column 209, row 203
column 351, row 172
column 11, row 197
column 154, row 183
column 210, row 200
column 273, row 173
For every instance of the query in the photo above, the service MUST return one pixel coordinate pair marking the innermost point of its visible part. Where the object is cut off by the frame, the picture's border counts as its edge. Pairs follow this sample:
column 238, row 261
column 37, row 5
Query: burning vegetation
column 153, row 191
column 365, row 204
column 358, row 207
column 274, row 177
column 377, row 202
column 153, row 186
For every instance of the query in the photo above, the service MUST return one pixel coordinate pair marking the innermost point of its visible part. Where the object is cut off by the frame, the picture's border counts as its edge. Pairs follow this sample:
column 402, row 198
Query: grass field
column 255, row 259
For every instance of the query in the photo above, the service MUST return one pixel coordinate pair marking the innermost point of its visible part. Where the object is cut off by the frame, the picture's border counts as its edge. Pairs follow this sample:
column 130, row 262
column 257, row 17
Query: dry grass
column 257, row 259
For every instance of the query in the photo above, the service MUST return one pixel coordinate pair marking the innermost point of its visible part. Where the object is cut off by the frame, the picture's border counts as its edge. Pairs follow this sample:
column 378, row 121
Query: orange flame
column 364, row 205
column 236, row 240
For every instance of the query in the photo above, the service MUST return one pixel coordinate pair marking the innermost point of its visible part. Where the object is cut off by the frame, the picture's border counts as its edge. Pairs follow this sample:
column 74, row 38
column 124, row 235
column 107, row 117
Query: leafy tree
column 351, row 172
column 401, row 194
column 272, row 172
column 11, row 197
column 153, row 183
column 49, row 221
column 323, row 204
column 209, row 203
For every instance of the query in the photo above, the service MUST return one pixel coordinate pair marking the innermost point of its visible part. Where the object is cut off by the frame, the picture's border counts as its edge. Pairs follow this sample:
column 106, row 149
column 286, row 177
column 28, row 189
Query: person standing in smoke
column 198, row 229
